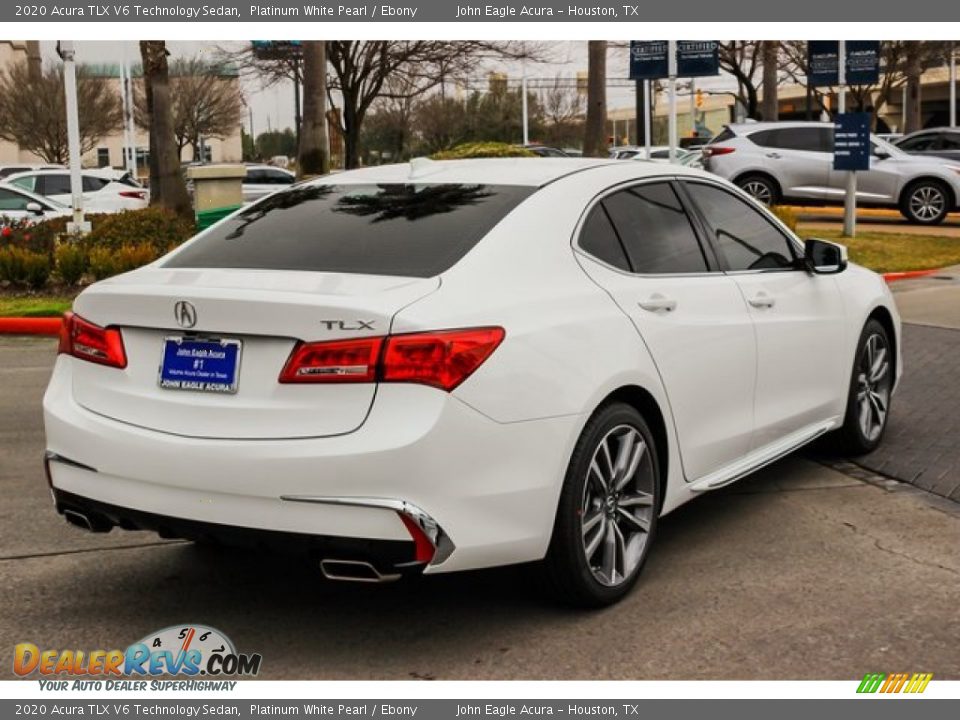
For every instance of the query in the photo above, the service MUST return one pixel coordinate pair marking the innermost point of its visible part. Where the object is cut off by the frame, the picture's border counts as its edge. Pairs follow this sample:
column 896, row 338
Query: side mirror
column 35, row 208
column 881, row 154
column 822, row 257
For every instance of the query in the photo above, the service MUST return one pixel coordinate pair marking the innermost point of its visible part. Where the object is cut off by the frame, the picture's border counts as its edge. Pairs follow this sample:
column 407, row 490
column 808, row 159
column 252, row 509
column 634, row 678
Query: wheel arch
column 644, row 402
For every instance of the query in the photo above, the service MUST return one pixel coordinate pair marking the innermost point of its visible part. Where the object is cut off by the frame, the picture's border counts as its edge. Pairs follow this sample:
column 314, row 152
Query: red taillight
column 339, row 361
column 135, row 194
column 711, row 150
column 443, row 359
column 82, row 339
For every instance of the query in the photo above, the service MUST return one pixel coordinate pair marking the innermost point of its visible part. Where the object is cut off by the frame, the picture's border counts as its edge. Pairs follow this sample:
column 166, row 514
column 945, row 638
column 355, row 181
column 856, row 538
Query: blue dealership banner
column 862, row 62
column 698, row 58
column 695, row 58
column 648, row 59
column 851, row 141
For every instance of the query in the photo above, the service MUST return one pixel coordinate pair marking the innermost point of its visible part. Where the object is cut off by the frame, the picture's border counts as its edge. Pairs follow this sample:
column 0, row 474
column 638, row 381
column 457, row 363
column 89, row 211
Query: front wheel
column 607, row 515
column 760, row 188
column 925, row 203
column 871, row 385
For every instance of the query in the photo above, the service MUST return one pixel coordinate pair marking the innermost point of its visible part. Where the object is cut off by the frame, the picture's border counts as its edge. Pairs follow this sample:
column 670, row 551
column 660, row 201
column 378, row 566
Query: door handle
column 658, row 303
column 762, row 300
column 775, row 156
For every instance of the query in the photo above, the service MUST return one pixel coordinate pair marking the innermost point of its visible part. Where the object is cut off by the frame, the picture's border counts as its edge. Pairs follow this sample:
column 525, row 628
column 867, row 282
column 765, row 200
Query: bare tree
column 33, row 111
column 167, row 187
column 741, row 58
column 205, row 102
column 595, row 136
column 771, row 71
column 313, row 158
column 361, row 70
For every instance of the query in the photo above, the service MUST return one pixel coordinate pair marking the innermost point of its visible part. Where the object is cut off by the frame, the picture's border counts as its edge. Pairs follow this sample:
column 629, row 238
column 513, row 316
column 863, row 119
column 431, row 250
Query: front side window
column 412, row 230
column 747, row 240
column 655, row 230
column 949, row 141
column 919, row 143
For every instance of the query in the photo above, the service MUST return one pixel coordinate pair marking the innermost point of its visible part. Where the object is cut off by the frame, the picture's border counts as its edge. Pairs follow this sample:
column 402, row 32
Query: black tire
column 926, row 202
column 761, row 188
column 569, row 576
column 852, row 439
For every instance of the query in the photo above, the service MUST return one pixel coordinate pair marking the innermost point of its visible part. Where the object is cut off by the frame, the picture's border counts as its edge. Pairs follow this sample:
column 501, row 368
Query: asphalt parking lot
column 799, row 572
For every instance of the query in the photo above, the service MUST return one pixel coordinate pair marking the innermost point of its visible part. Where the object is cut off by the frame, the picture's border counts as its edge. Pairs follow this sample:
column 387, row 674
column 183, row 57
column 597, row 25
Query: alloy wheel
column 759, row 191
column 617, row 507
column 927, row 202
column 873, row 387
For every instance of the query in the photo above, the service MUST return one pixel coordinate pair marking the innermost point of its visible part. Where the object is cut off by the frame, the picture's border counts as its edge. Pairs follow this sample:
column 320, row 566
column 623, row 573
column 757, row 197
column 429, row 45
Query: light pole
column 67, row 51
column 850, row 199
column 672, row 90
column 953, row 86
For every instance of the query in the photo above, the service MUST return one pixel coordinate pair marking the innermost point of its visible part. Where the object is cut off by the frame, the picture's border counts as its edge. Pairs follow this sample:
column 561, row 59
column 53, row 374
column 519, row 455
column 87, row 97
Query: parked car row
column 43, row 192
column 793, row 162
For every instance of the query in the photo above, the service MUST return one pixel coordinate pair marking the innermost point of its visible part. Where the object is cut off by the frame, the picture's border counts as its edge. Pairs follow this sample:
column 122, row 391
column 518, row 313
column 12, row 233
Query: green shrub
column 71, row 262
column 157, row 227
column 130, row 257
column 36, row 269
column 482, row 150
column 11, row 264
column 21, row 266
column 786, row 215
column 101, row 262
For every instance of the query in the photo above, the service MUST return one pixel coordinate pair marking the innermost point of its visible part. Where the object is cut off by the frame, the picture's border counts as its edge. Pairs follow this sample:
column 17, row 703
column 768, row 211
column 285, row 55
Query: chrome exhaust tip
column 85, row 522
column 354, row 571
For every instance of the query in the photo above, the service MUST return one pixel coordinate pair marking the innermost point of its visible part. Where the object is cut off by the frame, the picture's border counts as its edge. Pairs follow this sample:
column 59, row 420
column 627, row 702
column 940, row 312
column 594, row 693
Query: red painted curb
column 908, row 274
column 30, row 326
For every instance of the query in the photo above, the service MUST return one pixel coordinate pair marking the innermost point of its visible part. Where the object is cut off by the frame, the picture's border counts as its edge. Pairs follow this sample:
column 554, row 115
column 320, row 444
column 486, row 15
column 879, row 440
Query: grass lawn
column 895, row 252
column 34, row 305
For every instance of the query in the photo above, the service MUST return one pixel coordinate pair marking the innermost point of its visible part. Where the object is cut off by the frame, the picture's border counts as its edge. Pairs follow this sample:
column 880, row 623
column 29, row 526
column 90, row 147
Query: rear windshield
column 410, row 230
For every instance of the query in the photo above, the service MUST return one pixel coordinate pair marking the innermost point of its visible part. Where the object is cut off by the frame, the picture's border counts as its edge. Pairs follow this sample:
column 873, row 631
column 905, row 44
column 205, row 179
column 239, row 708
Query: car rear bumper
column 490, row 488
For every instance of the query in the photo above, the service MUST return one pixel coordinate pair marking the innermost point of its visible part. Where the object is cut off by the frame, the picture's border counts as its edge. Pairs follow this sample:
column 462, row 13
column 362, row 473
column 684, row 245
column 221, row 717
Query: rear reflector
column 86, row 341
column 423, row 548
column 339, row 361
column 710, row 151
column 442, row 359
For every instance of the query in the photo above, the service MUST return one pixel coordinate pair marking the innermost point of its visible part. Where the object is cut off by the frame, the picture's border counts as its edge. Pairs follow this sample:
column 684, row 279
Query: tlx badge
column 347, row 325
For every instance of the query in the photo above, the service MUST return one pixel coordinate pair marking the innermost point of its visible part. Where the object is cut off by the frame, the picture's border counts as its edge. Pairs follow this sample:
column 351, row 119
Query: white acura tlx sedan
column 442, row 366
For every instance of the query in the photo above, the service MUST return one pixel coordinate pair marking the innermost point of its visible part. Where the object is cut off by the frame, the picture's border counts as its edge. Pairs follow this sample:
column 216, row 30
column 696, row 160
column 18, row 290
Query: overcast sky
column 273, row 107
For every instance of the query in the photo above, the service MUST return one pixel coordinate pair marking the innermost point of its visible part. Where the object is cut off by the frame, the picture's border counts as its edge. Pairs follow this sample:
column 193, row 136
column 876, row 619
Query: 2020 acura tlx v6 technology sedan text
column 441, row 366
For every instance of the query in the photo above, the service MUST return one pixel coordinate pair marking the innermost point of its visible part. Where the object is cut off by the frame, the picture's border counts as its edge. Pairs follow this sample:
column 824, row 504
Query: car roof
column 530, row 172
column 926, row 131
column 56, row 171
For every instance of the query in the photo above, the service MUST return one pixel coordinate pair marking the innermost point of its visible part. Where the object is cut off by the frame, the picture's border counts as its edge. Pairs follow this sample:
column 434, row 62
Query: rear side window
column 598, row 238
column 413, row 230
column 655, row 230
column 92, row 184
column 54, row 184
column 811, row 139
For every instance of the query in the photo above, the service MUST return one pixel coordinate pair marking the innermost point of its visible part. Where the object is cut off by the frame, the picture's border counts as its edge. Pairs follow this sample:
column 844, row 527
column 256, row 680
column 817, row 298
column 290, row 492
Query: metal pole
column 953, row 86
column 67, row 52
column 850, row 198
column 693, row 107
column 647, row 119
column 672, row 92
column 903, row 109
column 126, row 110
column 526, row 115
column 131, row 125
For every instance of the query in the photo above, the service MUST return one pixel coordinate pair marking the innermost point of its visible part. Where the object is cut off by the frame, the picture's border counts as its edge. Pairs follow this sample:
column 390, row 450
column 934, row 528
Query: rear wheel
column 607, row 515
column 926, row 202
column 871, row 385
column 761, row 188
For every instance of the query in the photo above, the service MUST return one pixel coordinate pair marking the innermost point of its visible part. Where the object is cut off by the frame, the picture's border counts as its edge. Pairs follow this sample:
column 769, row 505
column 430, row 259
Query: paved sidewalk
column 922, row 443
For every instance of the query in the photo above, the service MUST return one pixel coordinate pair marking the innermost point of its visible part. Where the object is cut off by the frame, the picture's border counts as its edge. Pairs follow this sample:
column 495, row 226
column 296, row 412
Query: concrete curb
column 30, row 326
column 909, row 274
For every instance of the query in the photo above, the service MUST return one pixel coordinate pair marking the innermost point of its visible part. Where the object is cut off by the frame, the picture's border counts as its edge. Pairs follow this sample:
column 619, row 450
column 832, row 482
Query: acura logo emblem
column 185, row 313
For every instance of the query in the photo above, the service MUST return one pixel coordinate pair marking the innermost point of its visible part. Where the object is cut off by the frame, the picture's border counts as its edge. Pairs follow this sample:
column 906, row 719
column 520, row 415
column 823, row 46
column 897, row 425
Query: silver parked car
column 793, row 162
column 941, row 142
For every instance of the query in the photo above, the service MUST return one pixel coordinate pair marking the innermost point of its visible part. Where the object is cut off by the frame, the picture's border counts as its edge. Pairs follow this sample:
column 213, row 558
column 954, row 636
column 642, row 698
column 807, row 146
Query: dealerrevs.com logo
column 180, row 650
